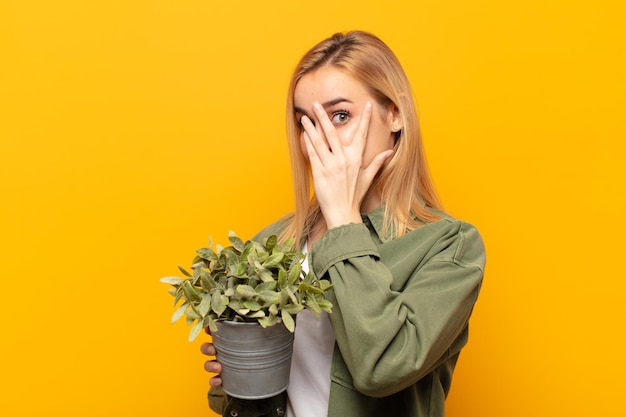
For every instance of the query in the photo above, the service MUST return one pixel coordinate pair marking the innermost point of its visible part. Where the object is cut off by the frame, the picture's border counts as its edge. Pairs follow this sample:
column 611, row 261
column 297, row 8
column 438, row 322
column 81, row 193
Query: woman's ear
column 395, row 121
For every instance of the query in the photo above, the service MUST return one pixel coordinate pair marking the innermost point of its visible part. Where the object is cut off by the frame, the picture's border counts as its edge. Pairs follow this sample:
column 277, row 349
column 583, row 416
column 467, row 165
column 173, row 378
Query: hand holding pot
column 211, row 366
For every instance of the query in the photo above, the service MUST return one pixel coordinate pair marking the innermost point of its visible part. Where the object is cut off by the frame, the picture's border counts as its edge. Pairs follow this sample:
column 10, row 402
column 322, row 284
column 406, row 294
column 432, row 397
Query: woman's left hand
column 340, row 179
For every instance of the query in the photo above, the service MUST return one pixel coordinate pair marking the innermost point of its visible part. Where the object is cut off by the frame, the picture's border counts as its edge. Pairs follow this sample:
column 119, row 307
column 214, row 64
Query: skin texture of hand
column 211, row 366
column 340, row 178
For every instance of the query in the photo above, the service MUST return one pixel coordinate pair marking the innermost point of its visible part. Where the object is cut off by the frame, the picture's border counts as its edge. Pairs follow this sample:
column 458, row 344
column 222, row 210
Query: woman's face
column 344, row 100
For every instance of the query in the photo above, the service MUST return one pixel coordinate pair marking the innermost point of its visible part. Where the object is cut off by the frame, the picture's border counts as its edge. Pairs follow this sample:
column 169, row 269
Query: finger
column 216, row 381
column 327, row 127
column 307, row 126
column 208, row 349
column 374, row 166
column 315, row 145
column 213, row 367
column 363, row 128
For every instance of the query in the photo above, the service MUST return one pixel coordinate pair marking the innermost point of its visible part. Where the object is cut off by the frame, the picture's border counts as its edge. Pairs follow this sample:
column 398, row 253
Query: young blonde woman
column 406, row 275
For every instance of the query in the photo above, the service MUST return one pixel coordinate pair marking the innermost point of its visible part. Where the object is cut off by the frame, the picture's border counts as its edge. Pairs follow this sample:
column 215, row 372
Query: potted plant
column 248, row 295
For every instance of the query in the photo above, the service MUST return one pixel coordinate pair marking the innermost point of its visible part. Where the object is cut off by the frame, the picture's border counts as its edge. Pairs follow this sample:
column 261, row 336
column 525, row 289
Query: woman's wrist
column 339, row 220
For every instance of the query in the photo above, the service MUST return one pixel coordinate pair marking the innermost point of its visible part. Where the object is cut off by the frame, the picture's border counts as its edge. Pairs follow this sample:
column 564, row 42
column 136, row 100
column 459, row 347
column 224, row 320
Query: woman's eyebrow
column 336, row 101
column 297, row 109
column 326, row 104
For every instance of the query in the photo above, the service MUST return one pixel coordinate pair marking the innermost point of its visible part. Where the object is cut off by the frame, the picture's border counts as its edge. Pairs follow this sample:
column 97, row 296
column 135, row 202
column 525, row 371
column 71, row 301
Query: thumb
column 374, row 166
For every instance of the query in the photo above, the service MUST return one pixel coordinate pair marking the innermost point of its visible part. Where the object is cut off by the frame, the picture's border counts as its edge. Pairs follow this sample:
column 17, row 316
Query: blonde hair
column 403, row 183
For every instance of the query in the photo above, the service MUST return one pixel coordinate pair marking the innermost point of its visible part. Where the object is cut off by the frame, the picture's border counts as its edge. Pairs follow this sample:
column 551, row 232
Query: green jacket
column 400, row 317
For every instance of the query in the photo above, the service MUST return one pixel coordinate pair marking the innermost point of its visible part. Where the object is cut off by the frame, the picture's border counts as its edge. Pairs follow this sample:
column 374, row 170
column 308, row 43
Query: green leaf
column 284, row 297
column 273, row 310
column 235, row 241
column 210, row 323
column 312, row 305
column 252, row 305
column 207, row 281
column 246, row 291
column 269, row 321
column 184, row 271
column 190, row 292
column 306, row 287
column 217, row 303
column 269, row 297
column 288, row 244
column 206, row 253
column 192, row 314
column 252, row 255
column 197, row 269
column 266, row 276
column 205, row 304
column 292, row 308
column 224, row 300
column 172, row 280
column 270, row 242
column 179, row 312
column 247, row 250
column 291, row 295
column 232, row 270
column 282, row 279
column 325, row 305
column 262, row 256
column 273, row 260
column 262, row 272
column 309, row 278
column 256, row 315
column 242, row 268
column 178, row 295
column 235, row 305
column 290, row 324
column 294, row 274
column 325, row 284
column 195, row 331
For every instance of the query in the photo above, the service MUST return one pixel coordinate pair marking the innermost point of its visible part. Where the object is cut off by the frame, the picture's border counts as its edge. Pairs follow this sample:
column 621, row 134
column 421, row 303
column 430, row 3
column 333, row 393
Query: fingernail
column 317, row 106
column 305, row 119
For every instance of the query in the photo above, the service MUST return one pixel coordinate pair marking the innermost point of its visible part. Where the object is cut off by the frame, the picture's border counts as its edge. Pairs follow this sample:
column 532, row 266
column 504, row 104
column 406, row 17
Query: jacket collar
column 375, row 221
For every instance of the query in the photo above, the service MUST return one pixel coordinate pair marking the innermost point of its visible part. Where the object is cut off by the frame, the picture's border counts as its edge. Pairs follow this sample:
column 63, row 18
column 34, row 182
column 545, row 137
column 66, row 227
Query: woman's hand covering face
column 341, row 176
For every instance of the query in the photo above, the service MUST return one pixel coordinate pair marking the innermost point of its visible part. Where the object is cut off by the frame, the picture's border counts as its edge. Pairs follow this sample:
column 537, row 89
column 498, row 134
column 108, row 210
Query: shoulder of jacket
column 470, row 247
column 459, row 241
column 274, row 228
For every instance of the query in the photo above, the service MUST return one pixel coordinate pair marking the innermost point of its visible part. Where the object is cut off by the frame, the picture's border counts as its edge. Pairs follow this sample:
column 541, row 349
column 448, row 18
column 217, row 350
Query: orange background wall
column 130, row 131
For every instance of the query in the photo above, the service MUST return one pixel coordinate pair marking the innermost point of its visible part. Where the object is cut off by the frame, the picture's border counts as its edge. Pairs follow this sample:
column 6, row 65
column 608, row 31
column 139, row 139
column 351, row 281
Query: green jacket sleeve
column 400, row 307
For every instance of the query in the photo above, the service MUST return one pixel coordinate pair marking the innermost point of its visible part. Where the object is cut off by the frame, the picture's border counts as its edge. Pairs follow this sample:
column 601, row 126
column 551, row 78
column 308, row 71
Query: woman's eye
column 339, row 118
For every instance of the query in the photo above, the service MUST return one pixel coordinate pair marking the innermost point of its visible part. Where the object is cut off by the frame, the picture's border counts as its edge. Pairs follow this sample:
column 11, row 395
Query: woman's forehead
column 327, row 84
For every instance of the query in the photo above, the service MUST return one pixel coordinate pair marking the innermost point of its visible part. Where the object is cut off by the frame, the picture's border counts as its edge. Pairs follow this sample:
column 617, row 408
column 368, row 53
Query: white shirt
column 309, row 378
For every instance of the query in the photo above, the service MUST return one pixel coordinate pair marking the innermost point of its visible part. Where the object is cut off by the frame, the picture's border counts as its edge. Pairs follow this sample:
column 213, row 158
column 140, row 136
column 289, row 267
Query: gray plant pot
column 255, row 361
